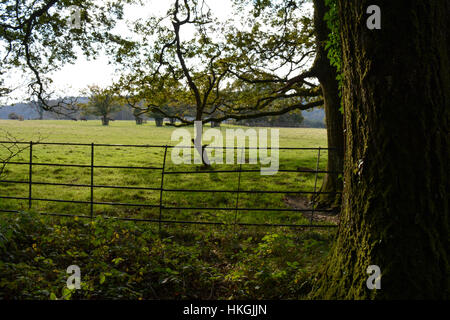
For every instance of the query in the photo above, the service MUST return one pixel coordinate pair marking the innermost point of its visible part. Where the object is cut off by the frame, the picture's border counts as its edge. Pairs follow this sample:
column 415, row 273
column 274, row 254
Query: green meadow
column 128, row 133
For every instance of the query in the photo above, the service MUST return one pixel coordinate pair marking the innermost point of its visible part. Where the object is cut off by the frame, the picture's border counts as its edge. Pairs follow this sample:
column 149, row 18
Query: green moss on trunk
column 396, row 181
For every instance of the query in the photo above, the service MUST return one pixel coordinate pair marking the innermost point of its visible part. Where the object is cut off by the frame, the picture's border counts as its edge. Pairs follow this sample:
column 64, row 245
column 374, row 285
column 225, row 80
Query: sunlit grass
column 126, row 132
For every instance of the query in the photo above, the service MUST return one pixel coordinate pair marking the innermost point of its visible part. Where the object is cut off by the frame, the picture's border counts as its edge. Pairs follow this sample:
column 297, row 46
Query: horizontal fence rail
column 92, row 186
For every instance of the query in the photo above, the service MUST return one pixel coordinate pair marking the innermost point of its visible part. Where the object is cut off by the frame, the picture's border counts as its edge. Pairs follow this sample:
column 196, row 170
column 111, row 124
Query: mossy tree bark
column 395, row 202
column 332, row 183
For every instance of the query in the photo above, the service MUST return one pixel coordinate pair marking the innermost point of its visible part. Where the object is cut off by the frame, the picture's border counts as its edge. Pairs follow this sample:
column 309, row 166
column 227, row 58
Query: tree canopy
column 102, row 102
column 219, row 70
column 36, row 38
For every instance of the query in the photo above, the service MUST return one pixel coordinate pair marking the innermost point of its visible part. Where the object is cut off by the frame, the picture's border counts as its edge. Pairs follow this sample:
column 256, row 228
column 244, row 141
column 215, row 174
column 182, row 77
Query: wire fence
column 161, row 206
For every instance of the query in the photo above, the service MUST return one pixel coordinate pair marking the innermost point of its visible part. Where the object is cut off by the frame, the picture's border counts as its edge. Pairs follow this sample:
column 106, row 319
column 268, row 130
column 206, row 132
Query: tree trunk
column 159, row 122
column 139, row 120
column 395, row 202
column 332, row 183
column 215, row 124
column 105, row 120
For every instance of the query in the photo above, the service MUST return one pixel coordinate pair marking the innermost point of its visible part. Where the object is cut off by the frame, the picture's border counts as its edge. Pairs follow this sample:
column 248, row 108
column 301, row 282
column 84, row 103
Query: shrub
column 15, row 116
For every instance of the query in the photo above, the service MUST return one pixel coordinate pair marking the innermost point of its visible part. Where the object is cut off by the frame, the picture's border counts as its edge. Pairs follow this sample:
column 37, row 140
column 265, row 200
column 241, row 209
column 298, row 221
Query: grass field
column 126, row 132
column 130, row 260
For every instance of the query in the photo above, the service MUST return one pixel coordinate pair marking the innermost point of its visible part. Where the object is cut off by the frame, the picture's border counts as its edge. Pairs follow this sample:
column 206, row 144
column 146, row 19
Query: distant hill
column 314, row 118
column 27, row 111
column 315, row 114
column 21, row 109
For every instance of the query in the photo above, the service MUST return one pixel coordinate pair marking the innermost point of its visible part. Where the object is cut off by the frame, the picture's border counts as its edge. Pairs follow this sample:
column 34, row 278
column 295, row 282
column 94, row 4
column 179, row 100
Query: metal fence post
column 315, row 188
column 30, row 176
column 162, row 188
column 92, row 180
column 238, row 190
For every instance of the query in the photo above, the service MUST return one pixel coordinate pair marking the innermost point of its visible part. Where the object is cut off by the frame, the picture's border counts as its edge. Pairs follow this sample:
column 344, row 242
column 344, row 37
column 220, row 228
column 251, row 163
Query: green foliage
column 223, row 69
column 102, row 102
column 36, row 39
column 333, row 44
column 123, row 260
column 291, row 119
column 129, row 260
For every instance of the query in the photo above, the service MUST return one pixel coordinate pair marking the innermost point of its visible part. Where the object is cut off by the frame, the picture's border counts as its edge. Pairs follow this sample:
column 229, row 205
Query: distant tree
column 205, row 72
column 159, row 118
column 38, row 106
column 139, row 94
column 202, row 73
column 292, row 119
column 138, row 117
column 102, row 102
column 13, row 116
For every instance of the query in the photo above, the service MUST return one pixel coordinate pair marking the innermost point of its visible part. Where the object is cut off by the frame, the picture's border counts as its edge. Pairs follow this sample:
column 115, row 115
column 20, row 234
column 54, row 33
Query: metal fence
column 163, row 168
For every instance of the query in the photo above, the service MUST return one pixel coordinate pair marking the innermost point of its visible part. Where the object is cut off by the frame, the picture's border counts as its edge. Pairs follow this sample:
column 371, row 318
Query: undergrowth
column 128, row 260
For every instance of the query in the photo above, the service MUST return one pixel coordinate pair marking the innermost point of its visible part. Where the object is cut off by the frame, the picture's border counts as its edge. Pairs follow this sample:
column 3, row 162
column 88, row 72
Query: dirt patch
column 303, row 203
